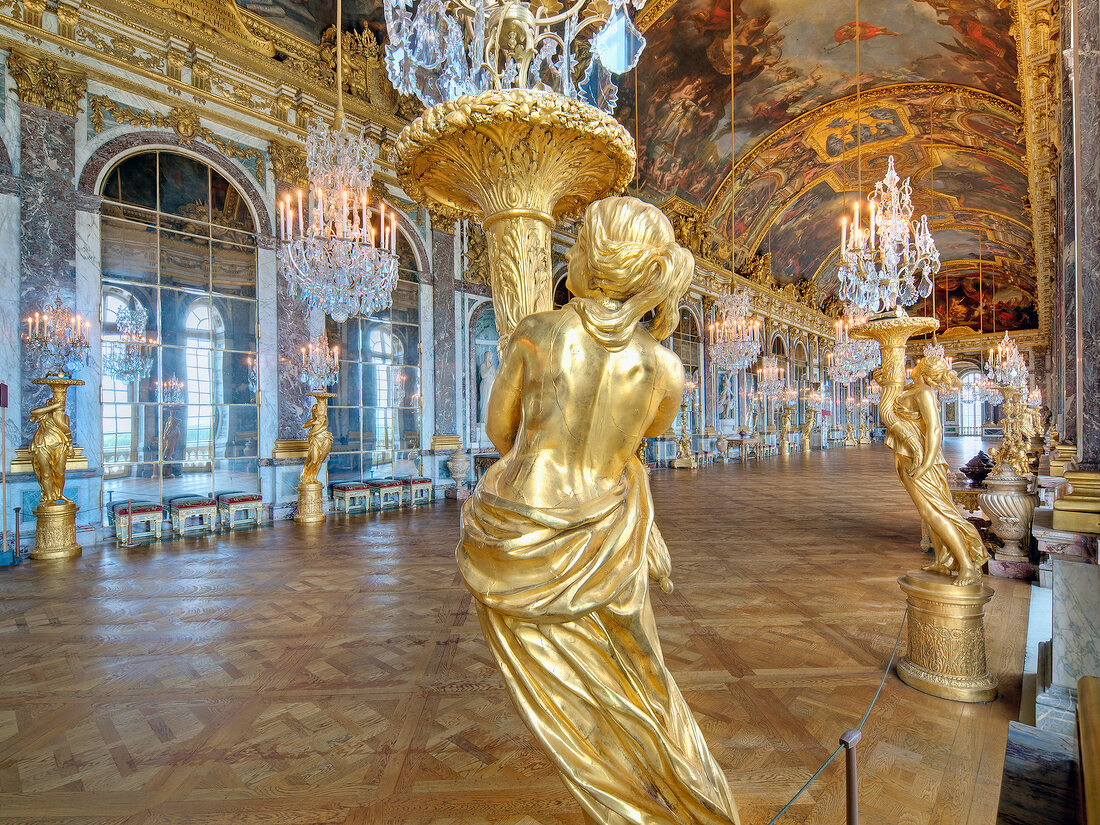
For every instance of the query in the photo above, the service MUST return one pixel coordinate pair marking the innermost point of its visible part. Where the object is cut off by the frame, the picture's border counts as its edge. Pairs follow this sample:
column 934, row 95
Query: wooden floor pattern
column 337, row 674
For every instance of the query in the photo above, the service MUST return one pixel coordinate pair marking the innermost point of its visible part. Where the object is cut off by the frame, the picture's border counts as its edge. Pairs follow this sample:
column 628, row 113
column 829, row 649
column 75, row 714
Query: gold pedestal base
column 55, row 533
column 946, row 655
column 311, row 503
column 1063, row 455
column 1079, row 512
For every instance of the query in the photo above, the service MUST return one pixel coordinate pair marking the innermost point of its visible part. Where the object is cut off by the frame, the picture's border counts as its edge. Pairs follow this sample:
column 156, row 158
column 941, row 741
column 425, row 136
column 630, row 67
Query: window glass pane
column 233, row 271
column 128, row 251
column 238, row 324
column 345, row 466
column 184, row 187
column 228, row 208
column 134, row 181
column 239, row 475
column 184, row 261
column 236, row 431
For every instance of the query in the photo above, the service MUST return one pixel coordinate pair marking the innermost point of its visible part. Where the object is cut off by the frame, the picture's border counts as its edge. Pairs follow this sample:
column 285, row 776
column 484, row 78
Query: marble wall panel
column 47, row 230
column 1076, row 603
column 292, row 330
column 1087, row 164
column 445, row 370
column 267, row 361
column 88, row 425
column 11, row 367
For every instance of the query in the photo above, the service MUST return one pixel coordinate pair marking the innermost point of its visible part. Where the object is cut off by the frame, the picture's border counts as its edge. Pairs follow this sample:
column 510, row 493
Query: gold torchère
column 519, row 161
column 946, row 652
column 50, row 449
column 784, row 431
column 1007, row 500
column 311, row 507
column 808, row 429
column 685, row 456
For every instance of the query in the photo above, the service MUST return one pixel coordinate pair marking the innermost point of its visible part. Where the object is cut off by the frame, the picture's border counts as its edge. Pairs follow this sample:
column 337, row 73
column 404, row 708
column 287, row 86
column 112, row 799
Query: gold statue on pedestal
column 808, row 428
column 50, row 449
column 785, row 431
column 946, row 654
column 558, row 544
column 310, row 498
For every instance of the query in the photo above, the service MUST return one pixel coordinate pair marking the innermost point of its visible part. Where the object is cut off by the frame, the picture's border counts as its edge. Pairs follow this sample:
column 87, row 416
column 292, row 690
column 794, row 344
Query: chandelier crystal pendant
column 879, row 264
column 735, row 336
column 58, row 339
column 130, row 357
column 852, row 358
column 769, row 377
column 1006, row 366
column 319, row 366
column 173, row 392
column 342, row 257
column 440, row 50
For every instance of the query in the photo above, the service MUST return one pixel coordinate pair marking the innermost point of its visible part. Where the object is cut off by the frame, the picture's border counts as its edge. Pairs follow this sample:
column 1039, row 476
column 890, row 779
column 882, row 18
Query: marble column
column 47, row 234
column 1063, row 322
column 1086, row 164
column 292, row 324
column 445, row 373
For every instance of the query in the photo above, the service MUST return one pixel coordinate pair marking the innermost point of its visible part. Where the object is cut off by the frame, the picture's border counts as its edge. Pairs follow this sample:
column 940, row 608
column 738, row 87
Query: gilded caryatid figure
column 558, row 544
column 52, row 443
column 320, row 439
column 914, row 432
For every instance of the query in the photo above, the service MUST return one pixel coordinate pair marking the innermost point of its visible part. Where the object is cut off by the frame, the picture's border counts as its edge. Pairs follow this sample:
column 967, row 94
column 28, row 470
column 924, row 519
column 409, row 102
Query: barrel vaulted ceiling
column 936, row 88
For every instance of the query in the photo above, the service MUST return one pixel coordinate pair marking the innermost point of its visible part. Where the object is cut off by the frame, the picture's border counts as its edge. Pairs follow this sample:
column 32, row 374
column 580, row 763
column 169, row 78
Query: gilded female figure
column 916, row 437
column 320, row 441
column 51, row 445
column 558, row 543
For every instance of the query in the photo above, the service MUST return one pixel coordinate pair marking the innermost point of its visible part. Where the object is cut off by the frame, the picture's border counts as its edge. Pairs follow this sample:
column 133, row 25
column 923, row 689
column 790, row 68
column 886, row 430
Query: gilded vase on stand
column 50, row 450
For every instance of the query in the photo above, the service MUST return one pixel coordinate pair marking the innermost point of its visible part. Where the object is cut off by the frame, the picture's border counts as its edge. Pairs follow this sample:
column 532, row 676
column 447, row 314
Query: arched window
column 970, row 409
column 178, row 238
column 687, row 343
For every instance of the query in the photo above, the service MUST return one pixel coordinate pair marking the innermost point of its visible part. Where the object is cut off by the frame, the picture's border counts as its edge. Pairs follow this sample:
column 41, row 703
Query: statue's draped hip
column 932, row 496
column 563, row 599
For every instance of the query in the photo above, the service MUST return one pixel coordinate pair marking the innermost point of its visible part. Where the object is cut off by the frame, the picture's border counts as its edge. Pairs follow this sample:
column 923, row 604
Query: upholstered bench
column 203, row 508
column 231, row 504
column 386, row 493
column 351, row 494
column 149, row 514
column 420, row 490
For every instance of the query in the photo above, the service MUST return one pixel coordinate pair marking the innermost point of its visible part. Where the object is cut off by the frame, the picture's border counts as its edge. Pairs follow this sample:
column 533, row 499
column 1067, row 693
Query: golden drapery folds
column 558, row 542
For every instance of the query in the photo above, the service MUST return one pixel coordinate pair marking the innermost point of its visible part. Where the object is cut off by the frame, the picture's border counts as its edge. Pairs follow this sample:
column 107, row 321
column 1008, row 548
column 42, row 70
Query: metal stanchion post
column 849, row 740
column 18, row 542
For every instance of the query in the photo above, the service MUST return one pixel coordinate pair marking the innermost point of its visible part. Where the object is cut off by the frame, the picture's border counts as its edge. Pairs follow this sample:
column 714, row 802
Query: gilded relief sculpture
column 558, row 544
column 310, row 499
column 50, row 449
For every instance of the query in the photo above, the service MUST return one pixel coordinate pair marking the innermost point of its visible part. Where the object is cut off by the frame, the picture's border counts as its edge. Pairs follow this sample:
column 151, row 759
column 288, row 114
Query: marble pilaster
column 10, row 319
column 1064, row 325
column 88, row 429
column 267, row 360
column 292, row 325
column 445, row 369
column 47, row 232
column 1086, row 162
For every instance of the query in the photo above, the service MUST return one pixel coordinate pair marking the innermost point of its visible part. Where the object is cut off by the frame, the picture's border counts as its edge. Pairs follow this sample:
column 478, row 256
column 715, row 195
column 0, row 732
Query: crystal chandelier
column 874, row 392
column 1035, row 398
column 343, row 257
column 769, row 377
column 58, row 339
column 735, row 336
column 788, row 397
column 130, row 357
column 440, row 50
column 852, row 359
column 319, row 367
column 173, row 391
column 1006, row 365
column 813, row 399
column 879, row 264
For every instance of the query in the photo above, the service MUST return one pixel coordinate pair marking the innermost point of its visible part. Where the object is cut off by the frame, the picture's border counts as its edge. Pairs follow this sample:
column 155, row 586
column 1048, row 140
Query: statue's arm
column 931, row 428
column 670, row 383
column 506, row 397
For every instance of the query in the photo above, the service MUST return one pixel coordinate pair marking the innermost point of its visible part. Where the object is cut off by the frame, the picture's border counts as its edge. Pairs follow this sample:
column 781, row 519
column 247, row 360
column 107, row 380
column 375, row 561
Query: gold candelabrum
column 808, row 428
column 311, row 508
column 1008, row 500
column 50, row 449
column 519, row 161
column 685, row 456
column 946, row 651
column 785, row 430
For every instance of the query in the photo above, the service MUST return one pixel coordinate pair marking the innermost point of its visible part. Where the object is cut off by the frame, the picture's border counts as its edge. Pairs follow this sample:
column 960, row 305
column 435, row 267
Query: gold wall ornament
column 558, row 544
column 183, row 121
column 120, row 48
column 518, row 161
column 217, row 17
column 288, row 163
column 946, row 651
column 42, row 82
column 912, row 416
column 50, row 449
column 311, row 508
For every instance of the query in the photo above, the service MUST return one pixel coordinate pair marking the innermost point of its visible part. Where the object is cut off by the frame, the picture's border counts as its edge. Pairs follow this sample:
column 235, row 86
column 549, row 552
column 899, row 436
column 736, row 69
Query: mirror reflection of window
column 179, row 238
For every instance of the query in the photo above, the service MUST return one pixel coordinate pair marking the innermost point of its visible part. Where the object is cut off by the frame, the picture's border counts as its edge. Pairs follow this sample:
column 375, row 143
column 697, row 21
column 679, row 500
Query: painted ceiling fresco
column 309, row 18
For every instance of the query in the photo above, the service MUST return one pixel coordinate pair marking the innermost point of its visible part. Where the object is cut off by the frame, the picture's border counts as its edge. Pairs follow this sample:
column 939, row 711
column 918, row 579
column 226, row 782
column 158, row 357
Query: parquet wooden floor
column 337, row 674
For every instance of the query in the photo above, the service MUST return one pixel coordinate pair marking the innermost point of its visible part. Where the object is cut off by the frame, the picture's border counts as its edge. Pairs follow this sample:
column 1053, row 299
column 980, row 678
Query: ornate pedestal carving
column 1063, row 455
column 55, row 532
column 518, row 161
column 1080, row 510
column 311, row 503
column 946, row 654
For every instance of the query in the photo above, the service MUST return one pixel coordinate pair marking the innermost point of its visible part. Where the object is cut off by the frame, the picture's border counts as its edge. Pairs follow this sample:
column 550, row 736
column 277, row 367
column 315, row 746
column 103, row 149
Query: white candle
column 282, row 220
column 844, row 233
column 344, row 213
column 301, row 212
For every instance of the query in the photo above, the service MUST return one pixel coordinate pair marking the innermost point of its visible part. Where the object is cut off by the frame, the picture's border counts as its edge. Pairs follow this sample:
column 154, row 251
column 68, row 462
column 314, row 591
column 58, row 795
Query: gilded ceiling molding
column 120, row 48
column 217, row 17
column 288, row 163
column 184, row 122
column 651, row 13
column 964, row 340
column 1037, row 29
column 41, row 82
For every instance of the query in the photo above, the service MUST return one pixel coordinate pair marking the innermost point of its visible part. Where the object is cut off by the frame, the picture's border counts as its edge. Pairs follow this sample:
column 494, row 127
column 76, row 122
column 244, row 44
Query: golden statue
column 808, row 428
column 51, row 445
column 914, row 432
column 320, row 439
column 558, row 543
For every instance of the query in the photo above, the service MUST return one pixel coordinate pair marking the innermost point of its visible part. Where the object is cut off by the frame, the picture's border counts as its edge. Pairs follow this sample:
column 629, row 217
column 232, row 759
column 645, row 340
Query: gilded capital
column 288, row 163
column 41, row 82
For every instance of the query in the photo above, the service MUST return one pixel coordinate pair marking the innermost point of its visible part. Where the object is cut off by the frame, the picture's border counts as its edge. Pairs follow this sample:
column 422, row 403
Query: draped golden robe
column 563, row 599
